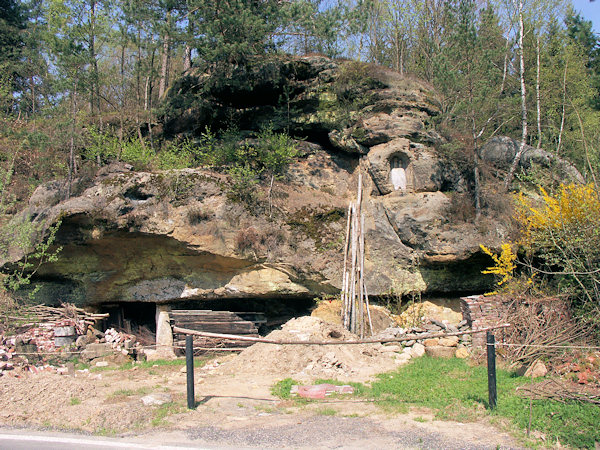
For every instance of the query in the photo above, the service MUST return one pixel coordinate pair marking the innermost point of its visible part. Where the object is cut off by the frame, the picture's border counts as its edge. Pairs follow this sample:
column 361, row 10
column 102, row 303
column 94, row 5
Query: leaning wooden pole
column 353, row 296
column 344, row 296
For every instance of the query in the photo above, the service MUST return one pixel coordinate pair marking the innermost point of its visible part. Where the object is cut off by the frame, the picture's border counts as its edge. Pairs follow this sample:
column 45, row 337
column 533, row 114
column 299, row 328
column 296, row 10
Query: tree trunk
column 537, row 94
column 515, row 163
column 72, row 140
column 166, row 55
column 562, row 118
column 187, row 58
column 94, row 88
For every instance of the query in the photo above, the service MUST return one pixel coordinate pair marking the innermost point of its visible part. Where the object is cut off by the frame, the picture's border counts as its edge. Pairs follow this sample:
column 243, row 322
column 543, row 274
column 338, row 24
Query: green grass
column 131, row 392
column 150, row 365
column 457, row 391
column 75, row 401
column 282, row 388
column 163, row 411
column 326, row 412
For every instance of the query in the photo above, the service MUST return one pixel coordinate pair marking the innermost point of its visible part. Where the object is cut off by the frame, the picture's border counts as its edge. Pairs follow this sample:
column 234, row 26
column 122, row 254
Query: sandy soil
column 235, row 406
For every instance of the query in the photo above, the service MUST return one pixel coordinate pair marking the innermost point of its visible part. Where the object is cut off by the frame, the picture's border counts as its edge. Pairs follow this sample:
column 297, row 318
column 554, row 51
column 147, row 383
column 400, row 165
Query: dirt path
column 233, row 411
column 235, row 405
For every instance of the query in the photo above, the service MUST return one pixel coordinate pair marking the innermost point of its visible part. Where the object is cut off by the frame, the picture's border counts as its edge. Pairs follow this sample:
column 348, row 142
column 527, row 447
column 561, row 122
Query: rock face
column 500, row 152
column 176, row 235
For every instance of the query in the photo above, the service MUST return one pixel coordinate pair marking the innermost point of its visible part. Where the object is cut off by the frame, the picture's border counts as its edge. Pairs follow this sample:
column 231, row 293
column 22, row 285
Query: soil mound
column 309, row 362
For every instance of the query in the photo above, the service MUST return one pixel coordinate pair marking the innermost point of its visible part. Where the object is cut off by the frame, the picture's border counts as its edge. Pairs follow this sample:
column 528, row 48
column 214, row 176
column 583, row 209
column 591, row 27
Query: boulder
column 431, row 342
column 451, row 341
column 178, row 236
column 156, row 399
column 417, row 350
column 536, row 369
column 500, row 152
column 437, row 351
column 462, row 353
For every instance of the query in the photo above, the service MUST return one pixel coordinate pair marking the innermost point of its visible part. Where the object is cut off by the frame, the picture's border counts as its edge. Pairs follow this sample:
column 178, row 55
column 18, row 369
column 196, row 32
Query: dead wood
column 558, row 390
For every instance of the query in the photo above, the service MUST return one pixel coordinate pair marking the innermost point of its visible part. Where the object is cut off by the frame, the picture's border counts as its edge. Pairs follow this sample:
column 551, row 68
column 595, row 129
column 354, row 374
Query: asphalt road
column 320, row 432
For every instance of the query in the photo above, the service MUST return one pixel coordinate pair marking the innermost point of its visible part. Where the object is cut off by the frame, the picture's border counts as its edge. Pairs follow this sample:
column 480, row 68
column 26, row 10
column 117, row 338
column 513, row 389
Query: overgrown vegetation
column 557, row 249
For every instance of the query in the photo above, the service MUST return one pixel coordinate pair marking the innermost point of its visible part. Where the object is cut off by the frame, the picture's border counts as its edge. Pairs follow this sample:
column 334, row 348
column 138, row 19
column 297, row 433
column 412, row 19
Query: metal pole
column 189, row 362
column 491, row 365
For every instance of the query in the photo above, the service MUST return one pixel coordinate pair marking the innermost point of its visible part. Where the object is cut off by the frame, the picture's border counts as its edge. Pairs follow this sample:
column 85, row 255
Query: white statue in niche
column 397, row 174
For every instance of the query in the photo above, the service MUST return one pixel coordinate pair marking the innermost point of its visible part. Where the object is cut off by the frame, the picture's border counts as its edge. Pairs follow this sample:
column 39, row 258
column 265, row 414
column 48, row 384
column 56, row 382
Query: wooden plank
column 224, row 328
column 207, row 319
column 213, row 314
column 193, row 319
column 209, row 311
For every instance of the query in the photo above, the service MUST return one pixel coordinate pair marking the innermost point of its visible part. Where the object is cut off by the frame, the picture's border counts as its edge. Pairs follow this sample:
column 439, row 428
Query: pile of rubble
column 419, row 344
column 49, row 336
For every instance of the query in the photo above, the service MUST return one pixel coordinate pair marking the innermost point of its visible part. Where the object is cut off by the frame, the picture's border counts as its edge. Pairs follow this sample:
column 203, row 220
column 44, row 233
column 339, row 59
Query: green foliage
column 282, row 388
column 243, row 183
column 37, row 250
column 178, row 155
column 352, row 84
column 230, row 32
column 561, row 234
column 458, row 390
column 265, row 157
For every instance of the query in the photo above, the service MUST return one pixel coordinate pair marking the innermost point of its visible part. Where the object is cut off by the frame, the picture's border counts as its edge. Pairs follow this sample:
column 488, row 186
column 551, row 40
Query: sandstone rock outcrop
column 176, row 235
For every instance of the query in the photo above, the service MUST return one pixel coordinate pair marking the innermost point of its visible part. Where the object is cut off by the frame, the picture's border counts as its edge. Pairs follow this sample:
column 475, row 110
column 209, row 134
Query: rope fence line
column 284, row 342
column 181, row 347
column 586, row 347
column 409, row 337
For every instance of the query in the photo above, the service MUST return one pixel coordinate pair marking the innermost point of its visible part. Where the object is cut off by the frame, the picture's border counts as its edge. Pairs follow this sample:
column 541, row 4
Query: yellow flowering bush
column 561, row 237
column 504, row 263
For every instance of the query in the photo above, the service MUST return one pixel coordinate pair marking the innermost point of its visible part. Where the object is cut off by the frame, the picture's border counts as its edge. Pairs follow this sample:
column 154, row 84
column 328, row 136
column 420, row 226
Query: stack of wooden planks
column 223, row 322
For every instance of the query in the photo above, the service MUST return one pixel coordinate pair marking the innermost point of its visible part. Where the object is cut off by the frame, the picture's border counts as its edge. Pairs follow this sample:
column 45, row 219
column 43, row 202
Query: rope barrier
column 411, row 337
column 62, row 352
column 586, row 347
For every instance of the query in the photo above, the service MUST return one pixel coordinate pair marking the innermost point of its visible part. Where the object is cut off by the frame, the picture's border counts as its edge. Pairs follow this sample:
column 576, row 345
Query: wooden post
column 189, row 363
column 491, row 365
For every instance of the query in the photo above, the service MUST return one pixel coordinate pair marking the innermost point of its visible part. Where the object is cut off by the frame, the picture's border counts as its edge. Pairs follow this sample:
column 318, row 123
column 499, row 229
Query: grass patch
column 282, row 388
column 326, row 412
column 163, row 411
column 151, row 365
column 455, row 390
column 458, row 391
column 75, row 401
column 130, row 392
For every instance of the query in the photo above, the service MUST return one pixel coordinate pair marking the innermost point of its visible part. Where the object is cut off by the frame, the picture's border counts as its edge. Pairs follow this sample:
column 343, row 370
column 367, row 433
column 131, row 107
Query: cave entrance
column 260, row 316
column 243, row 317
column 276, row 311
column 137, row 318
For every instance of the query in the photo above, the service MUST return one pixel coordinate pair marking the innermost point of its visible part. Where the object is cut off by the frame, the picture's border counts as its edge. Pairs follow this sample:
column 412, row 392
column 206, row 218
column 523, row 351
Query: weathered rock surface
column 176, row 235
column 500, row 152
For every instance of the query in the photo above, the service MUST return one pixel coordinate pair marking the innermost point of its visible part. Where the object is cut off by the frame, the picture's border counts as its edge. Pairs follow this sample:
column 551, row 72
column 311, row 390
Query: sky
column 589, row 10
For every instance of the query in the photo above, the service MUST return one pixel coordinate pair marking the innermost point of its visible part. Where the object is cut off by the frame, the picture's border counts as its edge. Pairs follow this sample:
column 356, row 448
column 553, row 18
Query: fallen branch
column 409, row 337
